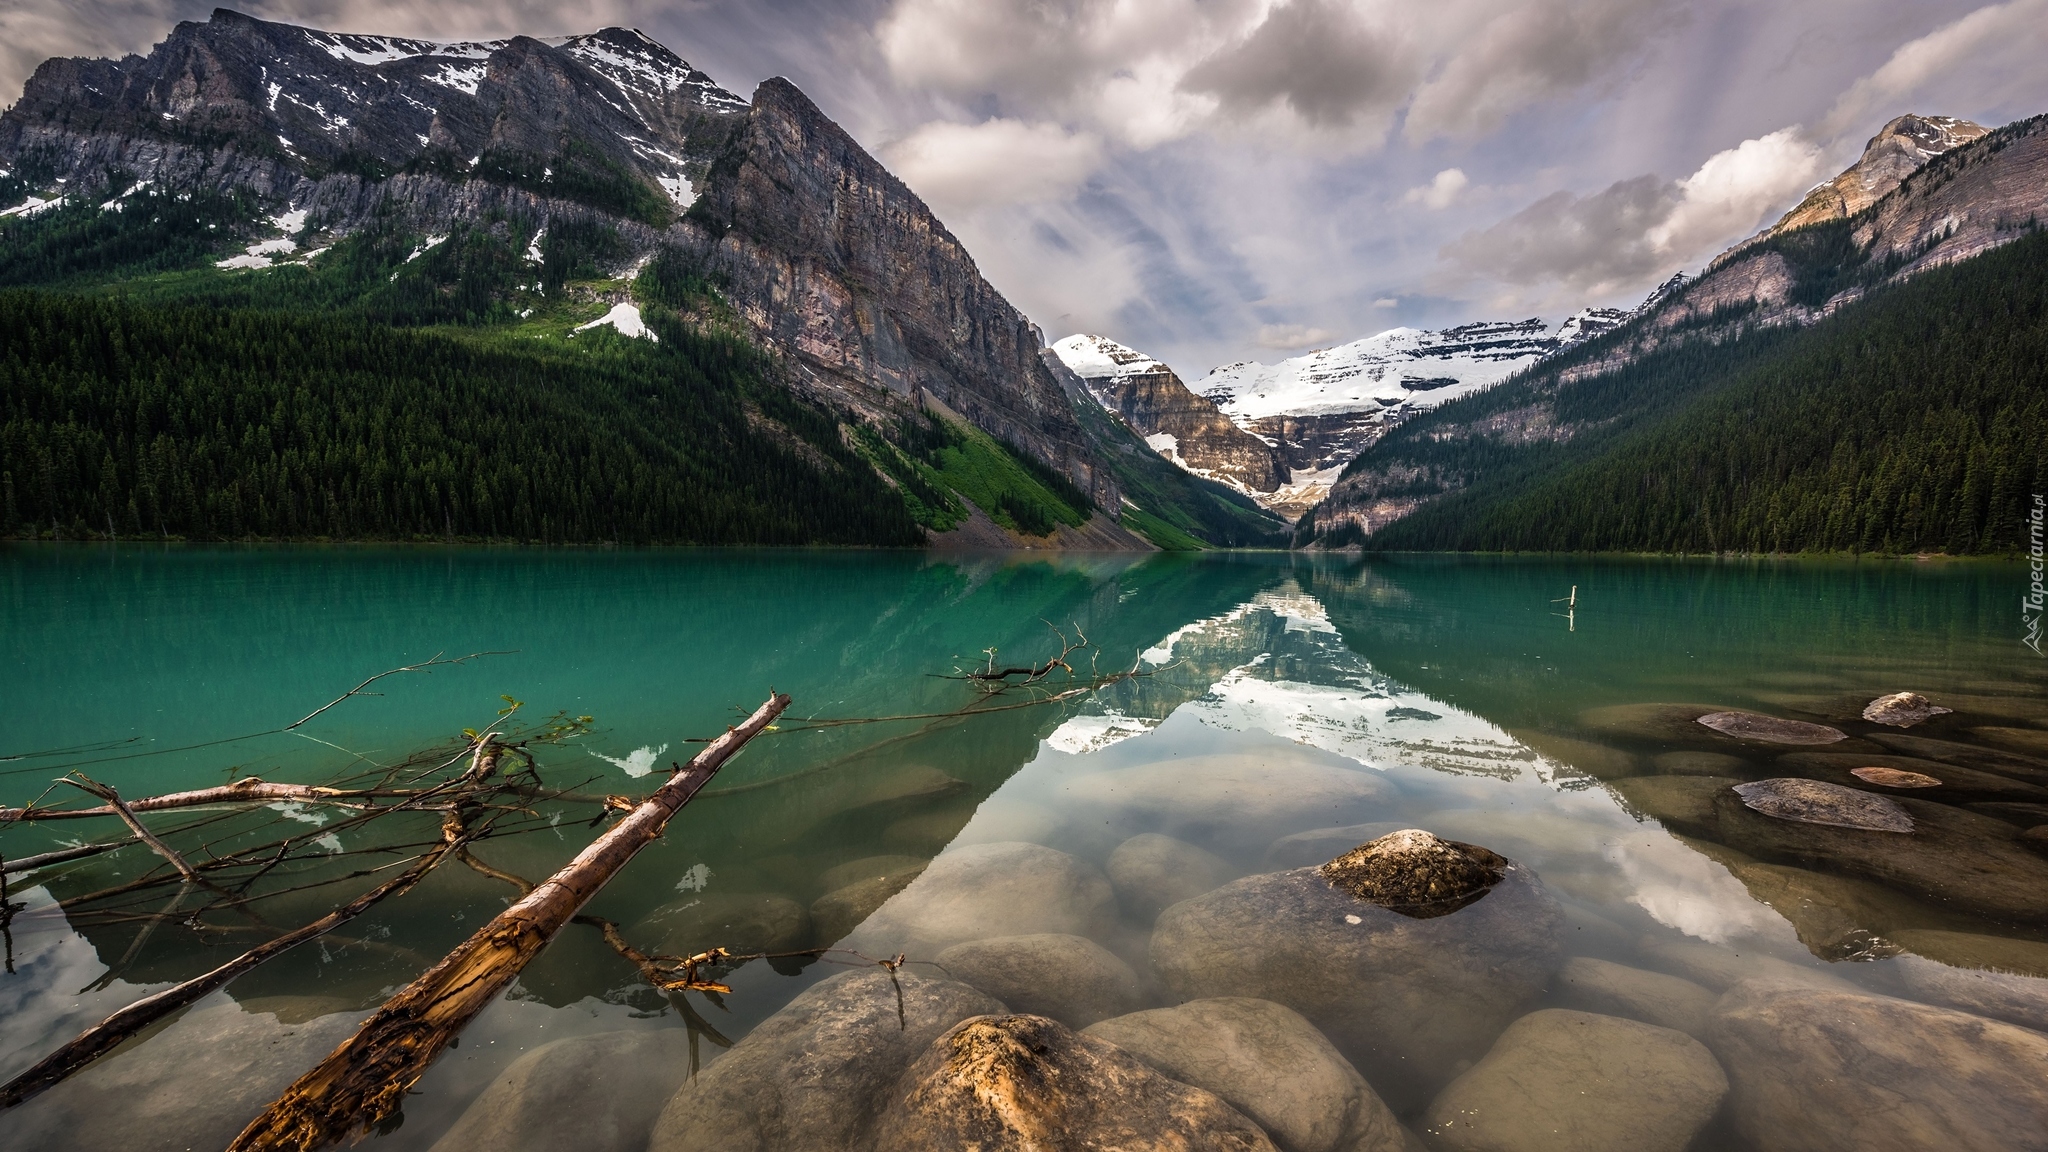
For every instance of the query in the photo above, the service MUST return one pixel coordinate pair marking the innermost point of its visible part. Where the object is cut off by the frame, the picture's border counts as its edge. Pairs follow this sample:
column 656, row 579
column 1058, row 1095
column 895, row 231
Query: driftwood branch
column 106, row 792
column 31, row 863
column 250, row 789
column 362, row 1083
column 103, row 1037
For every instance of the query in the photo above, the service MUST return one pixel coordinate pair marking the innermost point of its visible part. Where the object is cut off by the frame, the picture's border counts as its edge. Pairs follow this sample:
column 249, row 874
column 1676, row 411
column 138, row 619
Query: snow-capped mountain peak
column 1099, row 358
column 1401, row 367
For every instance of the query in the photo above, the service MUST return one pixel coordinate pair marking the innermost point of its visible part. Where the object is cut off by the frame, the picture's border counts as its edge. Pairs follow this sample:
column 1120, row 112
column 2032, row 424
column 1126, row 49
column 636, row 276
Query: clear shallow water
column 1283, row 696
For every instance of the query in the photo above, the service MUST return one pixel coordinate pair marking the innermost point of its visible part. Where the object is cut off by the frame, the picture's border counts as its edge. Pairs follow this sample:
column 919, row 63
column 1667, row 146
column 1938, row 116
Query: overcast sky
column 1217, row 180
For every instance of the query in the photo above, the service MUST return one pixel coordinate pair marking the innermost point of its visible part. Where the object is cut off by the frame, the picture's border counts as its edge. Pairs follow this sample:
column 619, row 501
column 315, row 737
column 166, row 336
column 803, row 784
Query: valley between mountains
column 275, row 283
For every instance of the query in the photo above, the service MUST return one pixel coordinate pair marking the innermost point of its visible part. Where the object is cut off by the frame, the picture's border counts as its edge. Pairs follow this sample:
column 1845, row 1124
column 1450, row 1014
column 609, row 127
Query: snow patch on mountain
column 625, row 318
column 375, row 50
column 1398, row 368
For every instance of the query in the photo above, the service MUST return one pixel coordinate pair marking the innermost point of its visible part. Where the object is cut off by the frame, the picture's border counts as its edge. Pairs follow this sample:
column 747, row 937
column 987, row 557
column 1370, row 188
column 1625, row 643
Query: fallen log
column 242, row 790
column 103, row 1037
column 31, row 863
column 362, row 1083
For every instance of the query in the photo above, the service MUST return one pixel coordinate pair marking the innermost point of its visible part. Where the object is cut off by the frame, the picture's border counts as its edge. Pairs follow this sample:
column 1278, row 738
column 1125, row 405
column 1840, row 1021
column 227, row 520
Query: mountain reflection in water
column 1288, row 709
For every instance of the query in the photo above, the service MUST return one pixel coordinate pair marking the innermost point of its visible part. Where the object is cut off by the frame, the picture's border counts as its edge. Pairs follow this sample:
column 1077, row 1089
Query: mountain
column 1832, row 385
column 540, row 187
column 1898, row 150
column 1178, row 424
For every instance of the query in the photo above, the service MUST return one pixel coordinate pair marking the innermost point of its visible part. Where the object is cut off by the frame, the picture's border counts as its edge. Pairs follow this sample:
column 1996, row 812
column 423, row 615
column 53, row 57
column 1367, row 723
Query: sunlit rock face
column 1180, row 425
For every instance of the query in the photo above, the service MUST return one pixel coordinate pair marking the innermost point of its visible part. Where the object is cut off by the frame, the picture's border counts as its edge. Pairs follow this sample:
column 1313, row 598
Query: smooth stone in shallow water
column 1267, row 1062
column 592, row 1093
column 736, row 921
column 1953, row 782
column 1239, row 801
column 1416, row 873
column 814, row 1076
column 1958, row 859
column 863, row 886
column 2006, row 996
column 2027, row 741
column 1720, row 968
column 1151, row 871
column 2018, row 767
column 1770, row 729
column 1894, row 777
column 1313, row 847
column 1824, row 1071
column 1404, row 999
column 2036, row 838
column 2020, row 815
column 194, row 1084
column 1070, row 978
column 1011, row 1083
column 1662, row 723
column 1699, row 764
column 1974, row 950
column 1837, row 917
column 1596, row 760
column 1619, row 990
column 1579, row 1082
column 1818, row 802
column 984, row 890
column 1903, row 710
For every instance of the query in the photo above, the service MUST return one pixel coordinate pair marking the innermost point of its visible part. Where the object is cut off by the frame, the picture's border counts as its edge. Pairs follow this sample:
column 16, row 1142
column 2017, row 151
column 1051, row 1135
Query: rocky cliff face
column 825, row 256
column 1928, row 191
column 1898, row 150
column 1177, row 423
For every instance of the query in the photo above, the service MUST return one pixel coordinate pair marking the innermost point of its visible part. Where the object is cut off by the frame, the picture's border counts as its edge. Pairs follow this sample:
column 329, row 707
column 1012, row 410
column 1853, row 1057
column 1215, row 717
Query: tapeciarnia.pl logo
column 2037, row 596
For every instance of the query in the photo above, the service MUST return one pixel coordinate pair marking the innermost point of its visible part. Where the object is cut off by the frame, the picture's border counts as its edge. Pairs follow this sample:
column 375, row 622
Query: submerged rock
column 1659, row 723
column 1699, row 764
column 1894, row 777
column 1267, row 1062
column 2028, row 741
column 854, row 890
column 1952, row 782
column 1580, row 1082
column 1827, row 1071
column 1966, row 861
column 1238, row 801
column 814, row 1076
column 1720, row 968
column 1011, row 1083
column 2018, row 767
column 1770, row 729
column 2007, row 996
column 1974, row 950
column 736, row 921
column 1416, row 873
column 1313, row 847
column 1903, row 710
column 1404, row 999
column 1618, row 990
column 2019, row 814
column 1596, row 760
column 1151, row 871
column 984, row 890
column 193, row 1084
column 1818, row 802
column 1836, row 917
column 593, row 1093
column 1070, row 978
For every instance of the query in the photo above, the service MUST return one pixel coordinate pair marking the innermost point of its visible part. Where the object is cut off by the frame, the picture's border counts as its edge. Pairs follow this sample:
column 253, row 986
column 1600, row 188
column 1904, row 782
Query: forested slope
column 1912, row 420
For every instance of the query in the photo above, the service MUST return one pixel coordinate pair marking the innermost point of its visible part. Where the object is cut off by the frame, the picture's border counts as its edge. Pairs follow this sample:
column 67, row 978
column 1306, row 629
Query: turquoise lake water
column 1499, row 702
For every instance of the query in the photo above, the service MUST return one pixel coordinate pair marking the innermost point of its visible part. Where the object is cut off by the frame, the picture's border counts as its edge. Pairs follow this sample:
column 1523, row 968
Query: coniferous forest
column 1913, row 420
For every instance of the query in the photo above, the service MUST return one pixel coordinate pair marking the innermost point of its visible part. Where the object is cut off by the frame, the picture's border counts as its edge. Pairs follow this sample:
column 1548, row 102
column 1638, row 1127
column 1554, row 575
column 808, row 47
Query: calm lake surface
column 1288, row 709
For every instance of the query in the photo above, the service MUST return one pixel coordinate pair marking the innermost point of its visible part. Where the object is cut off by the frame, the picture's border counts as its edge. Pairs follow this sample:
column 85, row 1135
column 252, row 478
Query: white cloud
column 969, row 166
column 1990, row 41
column 1291, row 336
column 1734, row 191
column 1313, row 73
column 1438, row 194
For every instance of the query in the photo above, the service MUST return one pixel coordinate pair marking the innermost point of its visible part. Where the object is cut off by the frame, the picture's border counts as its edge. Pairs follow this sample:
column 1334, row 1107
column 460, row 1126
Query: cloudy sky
column 1216, row 180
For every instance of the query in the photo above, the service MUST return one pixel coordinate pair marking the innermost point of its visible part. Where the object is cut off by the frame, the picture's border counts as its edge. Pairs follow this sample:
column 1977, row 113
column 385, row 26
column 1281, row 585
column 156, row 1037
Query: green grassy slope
column 1915, row 419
